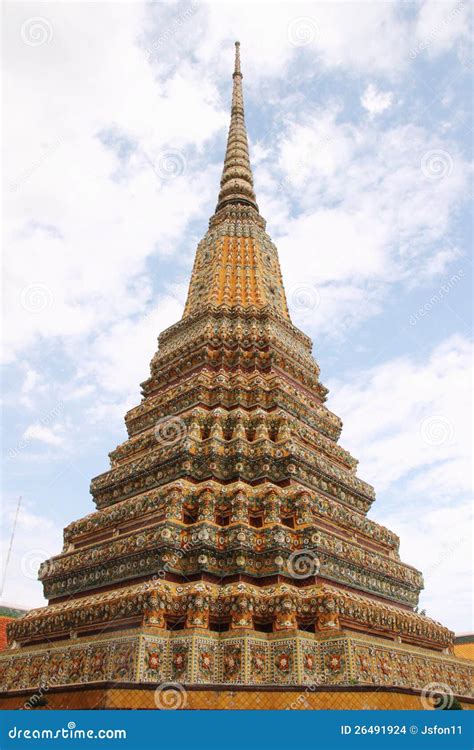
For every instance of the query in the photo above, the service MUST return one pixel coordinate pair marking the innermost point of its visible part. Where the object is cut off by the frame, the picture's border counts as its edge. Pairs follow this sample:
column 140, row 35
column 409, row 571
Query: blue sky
column 359, row 119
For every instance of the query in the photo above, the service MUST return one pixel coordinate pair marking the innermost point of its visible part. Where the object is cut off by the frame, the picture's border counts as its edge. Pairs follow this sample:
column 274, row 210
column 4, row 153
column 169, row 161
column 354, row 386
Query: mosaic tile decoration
column 246, row 659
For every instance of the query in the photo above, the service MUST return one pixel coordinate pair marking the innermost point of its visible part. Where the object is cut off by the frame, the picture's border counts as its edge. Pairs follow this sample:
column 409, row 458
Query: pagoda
column 231, row 562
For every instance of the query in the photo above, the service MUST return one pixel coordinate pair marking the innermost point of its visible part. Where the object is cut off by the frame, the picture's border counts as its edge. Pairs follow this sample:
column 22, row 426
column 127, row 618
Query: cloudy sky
column 114, row 132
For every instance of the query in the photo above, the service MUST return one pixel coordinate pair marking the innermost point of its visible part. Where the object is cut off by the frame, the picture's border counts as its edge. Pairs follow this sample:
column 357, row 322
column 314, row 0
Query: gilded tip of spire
column 237, row 58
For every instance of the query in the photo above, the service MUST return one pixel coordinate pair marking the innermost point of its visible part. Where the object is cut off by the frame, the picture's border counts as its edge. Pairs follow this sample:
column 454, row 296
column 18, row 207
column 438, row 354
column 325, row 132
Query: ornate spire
column 236, row 264
column 237, row 180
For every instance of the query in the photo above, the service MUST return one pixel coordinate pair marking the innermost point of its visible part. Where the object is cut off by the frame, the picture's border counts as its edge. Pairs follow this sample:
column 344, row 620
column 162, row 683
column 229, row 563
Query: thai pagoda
column 231, row 562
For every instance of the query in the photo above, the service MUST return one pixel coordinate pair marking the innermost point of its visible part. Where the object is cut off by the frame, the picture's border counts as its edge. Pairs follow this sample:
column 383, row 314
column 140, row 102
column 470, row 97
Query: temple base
column 239, row 698
column 233, row 669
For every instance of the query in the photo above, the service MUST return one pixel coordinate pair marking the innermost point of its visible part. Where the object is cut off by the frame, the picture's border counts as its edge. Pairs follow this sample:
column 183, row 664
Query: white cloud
column 364, row 38
column 90, row 204
column 375, row 101
column 356, row 36
column 440, row 26
column 30, row 387
column 48, row 435
column 406, row 416
column 119, row 357
column 31, row 379
column 92, row 196
column 438, row 541
column 36, row 538
column 316, row 144
column 408, row 422
column 376, row 209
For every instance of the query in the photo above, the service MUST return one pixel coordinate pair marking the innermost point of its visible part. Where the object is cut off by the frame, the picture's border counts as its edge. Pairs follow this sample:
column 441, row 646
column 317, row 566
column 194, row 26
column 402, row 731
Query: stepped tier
column 231, row 543
column 230, row 389
column 204, row 605
column 207, row 532
column 258, row 341
column 228, row 425
column 229, row 446
column 275, row 502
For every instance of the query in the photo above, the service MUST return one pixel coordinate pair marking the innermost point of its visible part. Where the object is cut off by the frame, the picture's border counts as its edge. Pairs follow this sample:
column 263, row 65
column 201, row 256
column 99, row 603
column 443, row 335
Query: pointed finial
column 237, row 180
column 237, row 59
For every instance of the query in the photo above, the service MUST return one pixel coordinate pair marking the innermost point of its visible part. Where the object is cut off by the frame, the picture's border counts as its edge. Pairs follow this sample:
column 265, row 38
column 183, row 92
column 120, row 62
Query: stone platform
column 245, row 669
column 239, row 698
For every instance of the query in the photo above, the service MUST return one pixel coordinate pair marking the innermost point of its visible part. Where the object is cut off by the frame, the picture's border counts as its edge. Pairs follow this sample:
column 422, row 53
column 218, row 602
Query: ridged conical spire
column 236, row 264
column 237, row 180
